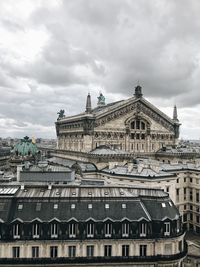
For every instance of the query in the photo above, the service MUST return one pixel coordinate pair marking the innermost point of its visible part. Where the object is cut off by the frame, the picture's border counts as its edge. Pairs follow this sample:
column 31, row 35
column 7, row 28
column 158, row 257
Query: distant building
column 132, row 125
column 44, row 173
column 24, row 150
column 5, row 153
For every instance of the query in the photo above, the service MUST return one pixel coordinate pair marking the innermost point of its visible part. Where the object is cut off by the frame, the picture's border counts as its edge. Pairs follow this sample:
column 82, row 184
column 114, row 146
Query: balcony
column 91, row 260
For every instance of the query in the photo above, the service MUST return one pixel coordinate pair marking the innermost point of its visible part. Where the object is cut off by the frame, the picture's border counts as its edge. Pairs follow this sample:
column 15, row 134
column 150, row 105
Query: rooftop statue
column 61, row 114
column 101, row 100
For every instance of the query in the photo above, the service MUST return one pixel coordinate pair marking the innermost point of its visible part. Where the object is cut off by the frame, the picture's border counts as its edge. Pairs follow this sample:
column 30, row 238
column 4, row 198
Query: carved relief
column 138, row 107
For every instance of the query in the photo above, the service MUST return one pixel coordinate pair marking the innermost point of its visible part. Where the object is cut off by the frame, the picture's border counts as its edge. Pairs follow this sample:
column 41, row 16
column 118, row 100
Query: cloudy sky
column 53, row 52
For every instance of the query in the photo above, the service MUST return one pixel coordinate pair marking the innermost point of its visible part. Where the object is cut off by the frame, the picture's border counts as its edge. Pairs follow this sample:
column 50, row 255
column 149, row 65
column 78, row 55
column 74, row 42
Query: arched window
column 138, row 125
column 133, row 125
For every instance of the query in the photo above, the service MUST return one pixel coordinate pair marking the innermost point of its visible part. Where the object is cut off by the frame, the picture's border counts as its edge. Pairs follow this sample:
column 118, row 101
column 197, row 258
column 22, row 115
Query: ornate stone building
column 132, row 125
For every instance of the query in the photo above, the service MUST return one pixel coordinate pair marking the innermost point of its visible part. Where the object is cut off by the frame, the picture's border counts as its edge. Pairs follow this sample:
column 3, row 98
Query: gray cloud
column 106, row 45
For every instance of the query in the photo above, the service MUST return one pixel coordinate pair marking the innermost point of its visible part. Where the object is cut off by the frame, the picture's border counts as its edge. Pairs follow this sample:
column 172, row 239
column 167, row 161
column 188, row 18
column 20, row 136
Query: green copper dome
column 25, row 147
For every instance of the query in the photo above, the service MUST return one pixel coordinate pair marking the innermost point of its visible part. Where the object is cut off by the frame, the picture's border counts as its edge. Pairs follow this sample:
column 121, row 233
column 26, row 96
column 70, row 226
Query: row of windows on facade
column 190, row 207
column 188, row 194
column 190, row 217
column 189, row 179
column 72, row 251
column 90, row 230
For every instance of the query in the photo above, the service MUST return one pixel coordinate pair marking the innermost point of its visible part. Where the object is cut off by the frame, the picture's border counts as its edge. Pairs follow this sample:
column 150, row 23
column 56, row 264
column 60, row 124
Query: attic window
column 170, row 203
column 73, row 206
column 107, row 206
column 38, row 206
column 123, row 205
column 55, row 206
column 89, row 206
column 163, row 205
column 20, row 206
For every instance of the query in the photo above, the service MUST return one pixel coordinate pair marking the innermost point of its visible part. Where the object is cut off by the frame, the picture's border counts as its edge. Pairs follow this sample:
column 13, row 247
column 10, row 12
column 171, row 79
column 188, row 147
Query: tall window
column 143, row 250
column 72, row 230
column 16, row 252
column 125, row 250
column 35, row 252
column 191, row 195
column 72, row 251
column 143, row 229
column 16, row 232
column 125, row 229
column 197, row 196
column 108, row 230
column 138, row 125
column 90, row 230
column 167, row 228
column 35, row 230
column 54, row 230
column 53, row 251
column 90, row 251
column 107, row 250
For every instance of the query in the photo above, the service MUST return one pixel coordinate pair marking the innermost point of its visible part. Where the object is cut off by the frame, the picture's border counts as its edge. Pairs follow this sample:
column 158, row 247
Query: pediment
column 134, row 107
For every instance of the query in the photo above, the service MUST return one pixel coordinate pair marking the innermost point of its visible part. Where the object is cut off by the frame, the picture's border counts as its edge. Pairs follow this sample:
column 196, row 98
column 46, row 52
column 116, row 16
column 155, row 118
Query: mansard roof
column 71, row 203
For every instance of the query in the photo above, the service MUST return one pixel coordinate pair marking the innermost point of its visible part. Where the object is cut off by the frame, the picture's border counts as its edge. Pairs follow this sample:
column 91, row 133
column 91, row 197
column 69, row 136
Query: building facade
column 132, row 125
column 89, row 225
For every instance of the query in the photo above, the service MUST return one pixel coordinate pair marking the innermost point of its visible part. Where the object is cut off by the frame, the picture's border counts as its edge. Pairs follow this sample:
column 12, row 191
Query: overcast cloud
column 53, row 52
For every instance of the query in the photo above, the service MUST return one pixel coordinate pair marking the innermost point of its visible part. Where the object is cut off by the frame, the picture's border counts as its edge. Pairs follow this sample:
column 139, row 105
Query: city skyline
column 52, row 51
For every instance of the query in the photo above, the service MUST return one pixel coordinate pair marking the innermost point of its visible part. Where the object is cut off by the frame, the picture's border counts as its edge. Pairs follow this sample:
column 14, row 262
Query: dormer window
column 54, row 230
column 16, row 232
column 166, row 228
column 35, row 230
column 90, row 229
column 108, row 229
column 143, row 229
column 125, row 229
column 72, row 230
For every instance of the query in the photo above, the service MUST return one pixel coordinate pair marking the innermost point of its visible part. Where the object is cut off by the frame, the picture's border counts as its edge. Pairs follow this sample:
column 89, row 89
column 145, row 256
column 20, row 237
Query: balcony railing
column 85, row 260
